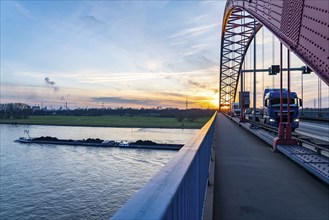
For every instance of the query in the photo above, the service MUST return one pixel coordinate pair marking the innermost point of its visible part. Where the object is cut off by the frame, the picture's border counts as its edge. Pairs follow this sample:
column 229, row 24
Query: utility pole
column 314, row 103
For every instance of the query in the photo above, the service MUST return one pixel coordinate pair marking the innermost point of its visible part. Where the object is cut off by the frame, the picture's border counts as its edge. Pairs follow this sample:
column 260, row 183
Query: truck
column 271, row 110
column 235, row 110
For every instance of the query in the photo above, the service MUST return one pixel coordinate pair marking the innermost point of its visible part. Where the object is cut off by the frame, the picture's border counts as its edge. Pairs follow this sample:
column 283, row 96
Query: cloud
column 147, row 98
column 195, row 31
column 24, row 11
column 99, row 77
column 27, row 94
column 144, row 102
column 208, row 61
column 197, row 84
column 170, row 94
column 125, row 101
column 89, row 21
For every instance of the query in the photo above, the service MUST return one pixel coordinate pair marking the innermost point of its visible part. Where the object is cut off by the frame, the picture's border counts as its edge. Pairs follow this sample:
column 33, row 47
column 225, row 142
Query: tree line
column 15, row 111
column 21, row 111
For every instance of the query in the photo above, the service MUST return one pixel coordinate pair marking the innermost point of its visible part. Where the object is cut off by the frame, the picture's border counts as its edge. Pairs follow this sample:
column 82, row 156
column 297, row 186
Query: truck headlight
column 272, row 120
column 296, row 120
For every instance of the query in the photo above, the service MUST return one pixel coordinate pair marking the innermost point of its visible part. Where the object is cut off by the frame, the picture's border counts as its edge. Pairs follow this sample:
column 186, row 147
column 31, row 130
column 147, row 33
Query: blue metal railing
column 178, row 190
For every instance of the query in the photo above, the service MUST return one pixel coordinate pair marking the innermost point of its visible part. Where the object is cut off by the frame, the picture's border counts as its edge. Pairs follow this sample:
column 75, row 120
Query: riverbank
column 109, row 121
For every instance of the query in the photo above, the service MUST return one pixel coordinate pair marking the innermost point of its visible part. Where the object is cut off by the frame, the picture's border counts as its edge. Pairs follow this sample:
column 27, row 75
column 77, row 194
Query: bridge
column 240, row 169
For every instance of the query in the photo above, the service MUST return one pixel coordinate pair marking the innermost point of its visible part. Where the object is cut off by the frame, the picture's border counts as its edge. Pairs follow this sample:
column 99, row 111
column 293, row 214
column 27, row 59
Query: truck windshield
column 276, row 102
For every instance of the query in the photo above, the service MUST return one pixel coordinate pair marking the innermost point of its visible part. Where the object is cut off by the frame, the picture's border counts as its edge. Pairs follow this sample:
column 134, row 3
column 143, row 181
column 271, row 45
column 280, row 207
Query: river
column 76, row 182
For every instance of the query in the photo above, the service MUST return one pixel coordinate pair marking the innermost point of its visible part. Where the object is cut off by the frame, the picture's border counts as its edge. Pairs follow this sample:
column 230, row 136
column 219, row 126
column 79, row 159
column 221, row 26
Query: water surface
column 76, row 182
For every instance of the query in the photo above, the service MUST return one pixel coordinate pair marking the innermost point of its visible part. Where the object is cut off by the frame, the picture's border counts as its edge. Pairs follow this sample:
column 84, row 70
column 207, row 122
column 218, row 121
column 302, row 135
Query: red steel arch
column 301, row 25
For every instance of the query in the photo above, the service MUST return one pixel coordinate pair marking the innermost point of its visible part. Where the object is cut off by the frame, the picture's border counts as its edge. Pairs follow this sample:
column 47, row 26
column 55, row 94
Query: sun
column 214, row 101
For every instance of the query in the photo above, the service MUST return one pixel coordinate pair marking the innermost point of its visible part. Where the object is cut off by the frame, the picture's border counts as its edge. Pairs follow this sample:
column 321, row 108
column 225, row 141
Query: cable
column 250, row 51
column 263, row 58
column 273, row 60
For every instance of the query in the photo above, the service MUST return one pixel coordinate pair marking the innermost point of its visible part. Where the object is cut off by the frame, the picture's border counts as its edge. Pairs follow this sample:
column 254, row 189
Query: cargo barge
column 100, row 143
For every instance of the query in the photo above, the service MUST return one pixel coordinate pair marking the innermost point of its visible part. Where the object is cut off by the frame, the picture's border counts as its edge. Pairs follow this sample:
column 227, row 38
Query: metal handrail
column 178, row 190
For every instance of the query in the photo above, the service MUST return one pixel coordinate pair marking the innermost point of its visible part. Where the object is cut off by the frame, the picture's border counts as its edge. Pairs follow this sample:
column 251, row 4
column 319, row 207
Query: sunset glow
column 119, row 54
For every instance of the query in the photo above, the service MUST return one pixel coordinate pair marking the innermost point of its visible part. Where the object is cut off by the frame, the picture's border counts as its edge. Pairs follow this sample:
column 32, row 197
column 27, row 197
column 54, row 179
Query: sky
column 122, row 54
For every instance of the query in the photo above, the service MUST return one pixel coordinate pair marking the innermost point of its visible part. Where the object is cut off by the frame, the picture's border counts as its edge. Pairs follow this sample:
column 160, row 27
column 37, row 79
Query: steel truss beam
column 301, row 25
column 239, row 31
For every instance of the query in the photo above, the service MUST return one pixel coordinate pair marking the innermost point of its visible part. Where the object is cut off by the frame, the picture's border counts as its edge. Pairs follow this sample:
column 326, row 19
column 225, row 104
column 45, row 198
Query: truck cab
column 271, row 113
column 235, row 110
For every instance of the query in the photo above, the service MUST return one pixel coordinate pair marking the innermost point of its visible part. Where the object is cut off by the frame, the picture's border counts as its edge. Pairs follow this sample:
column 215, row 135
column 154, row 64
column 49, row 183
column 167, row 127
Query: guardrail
column 315, row 143
column 178, row 190
column 314, row 118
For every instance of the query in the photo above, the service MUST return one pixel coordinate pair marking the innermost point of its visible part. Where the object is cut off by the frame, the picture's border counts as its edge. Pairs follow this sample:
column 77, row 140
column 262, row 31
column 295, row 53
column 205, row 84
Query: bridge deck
column 252, row 182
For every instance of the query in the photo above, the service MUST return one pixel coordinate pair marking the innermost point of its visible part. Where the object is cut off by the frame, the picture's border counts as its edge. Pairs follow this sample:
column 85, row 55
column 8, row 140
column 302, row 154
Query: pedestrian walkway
column 252, row 182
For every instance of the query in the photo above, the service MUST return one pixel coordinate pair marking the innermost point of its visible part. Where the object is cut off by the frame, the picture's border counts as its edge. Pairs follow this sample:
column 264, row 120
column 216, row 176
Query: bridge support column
column 281, row 130
column 282, row 141
column 284, row 134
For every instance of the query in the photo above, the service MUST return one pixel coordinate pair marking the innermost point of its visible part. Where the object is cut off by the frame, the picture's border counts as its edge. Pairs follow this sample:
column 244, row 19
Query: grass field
column 109, row 121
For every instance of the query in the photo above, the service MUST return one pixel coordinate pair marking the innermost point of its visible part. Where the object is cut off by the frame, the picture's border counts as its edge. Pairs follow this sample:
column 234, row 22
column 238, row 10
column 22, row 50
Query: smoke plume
column 52, row 84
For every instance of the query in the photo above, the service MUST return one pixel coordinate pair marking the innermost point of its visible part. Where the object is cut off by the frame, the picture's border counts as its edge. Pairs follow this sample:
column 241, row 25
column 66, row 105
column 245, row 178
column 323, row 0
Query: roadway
column 252, row 182
column 313, row 129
